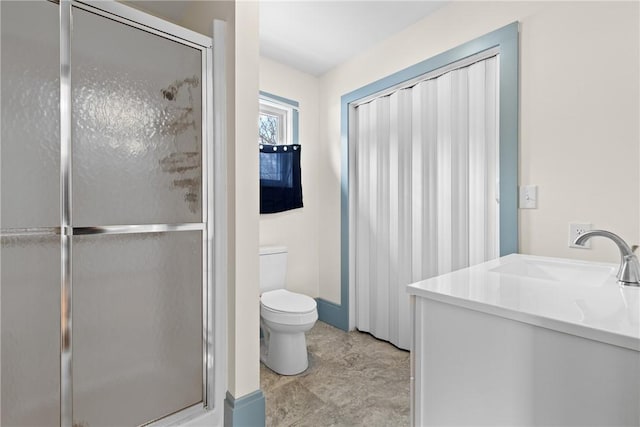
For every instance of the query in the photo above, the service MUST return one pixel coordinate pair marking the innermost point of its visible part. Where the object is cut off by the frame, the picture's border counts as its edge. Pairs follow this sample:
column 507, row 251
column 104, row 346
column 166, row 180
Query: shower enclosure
column 106, row 280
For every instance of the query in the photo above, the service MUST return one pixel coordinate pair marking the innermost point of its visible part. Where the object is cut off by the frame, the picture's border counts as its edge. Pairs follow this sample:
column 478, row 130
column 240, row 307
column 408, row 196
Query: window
column 274, row 124
column 280, row 174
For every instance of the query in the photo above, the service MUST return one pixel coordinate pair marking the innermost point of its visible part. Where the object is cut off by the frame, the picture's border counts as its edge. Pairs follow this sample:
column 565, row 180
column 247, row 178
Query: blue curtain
column 280, row 183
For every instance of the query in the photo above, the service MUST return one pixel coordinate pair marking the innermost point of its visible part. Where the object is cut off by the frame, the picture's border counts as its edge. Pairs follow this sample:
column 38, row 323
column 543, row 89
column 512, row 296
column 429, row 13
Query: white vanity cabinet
column 525, row 340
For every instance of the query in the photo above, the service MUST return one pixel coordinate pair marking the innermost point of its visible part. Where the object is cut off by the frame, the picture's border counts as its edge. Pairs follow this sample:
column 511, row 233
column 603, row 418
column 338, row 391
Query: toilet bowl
column 285, row 316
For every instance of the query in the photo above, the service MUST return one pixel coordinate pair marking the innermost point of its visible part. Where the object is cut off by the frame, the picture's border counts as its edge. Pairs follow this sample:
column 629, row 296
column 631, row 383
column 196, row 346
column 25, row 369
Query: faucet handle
column 634, row 248
column 629, row 273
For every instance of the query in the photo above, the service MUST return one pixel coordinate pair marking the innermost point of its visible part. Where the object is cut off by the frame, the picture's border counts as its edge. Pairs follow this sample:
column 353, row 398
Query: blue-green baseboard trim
column 333, row 314
column 247, row 411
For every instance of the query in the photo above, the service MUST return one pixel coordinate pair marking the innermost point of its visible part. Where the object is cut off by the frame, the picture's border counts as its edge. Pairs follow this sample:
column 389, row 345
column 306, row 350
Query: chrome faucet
column 629, row 271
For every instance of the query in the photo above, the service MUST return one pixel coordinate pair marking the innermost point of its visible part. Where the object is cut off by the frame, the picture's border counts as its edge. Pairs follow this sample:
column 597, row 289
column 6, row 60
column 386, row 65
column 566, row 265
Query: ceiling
column 314, row 36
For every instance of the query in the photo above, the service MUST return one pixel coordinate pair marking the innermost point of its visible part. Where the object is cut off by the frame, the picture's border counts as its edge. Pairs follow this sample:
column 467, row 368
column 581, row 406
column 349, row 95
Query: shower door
column 29, row 215
column 105, row 289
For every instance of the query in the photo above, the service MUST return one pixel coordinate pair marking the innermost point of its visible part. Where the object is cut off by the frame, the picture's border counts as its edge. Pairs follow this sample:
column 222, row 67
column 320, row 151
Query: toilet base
column 284, row 348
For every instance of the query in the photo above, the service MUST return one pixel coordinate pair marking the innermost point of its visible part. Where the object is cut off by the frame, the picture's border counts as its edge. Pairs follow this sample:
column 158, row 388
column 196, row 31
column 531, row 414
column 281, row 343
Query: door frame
column 505, row 40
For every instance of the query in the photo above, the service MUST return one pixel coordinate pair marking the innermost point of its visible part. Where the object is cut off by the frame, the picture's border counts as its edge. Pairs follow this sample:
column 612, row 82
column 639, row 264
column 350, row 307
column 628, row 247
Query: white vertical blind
column 425, row 196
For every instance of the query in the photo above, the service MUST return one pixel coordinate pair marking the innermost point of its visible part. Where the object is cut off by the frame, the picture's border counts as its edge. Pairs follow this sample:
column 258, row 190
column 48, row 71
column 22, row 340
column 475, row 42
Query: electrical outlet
column 576, row 229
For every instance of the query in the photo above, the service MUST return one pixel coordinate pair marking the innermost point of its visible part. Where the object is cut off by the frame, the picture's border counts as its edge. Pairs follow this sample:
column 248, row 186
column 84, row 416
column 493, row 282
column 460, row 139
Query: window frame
column 283, row 116
column 285, row 109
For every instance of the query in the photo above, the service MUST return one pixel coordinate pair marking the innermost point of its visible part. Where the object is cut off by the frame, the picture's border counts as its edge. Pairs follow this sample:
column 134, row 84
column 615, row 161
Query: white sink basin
column 574, row 297
column 576, row 273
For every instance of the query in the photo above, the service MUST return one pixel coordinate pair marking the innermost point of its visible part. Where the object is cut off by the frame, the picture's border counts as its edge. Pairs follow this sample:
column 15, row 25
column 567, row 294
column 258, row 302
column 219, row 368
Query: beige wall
column 579, row 109
column 242, row 178
column 247, row 298
column 297, row 229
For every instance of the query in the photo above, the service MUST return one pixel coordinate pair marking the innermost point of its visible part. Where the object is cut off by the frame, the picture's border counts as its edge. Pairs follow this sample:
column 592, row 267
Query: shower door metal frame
column 150, row 24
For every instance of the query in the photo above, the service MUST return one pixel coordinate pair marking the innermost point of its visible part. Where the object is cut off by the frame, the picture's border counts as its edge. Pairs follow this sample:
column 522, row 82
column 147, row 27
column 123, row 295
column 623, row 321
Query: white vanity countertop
column 574, row 297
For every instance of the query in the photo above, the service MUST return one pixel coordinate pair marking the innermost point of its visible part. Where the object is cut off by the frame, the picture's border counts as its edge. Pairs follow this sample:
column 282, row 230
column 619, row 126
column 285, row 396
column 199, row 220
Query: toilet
column 284, row 316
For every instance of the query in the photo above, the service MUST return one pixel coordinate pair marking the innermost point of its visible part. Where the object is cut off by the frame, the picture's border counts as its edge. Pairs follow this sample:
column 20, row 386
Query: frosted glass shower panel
column 137, row 321
column 30, row 136
column 30, row 324
column 137, row 107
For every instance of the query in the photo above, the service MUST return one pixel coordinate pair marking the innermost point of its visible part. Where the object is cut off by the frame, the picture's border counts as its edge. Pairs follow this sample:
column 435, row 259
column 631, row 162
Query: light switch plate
column 528, row 197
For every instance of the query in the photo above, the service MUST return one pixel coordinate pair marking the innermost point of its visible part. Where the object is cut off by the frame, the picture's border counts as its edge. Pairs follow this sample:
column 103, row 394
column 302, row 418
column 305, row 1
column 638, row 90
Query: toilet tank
column 273, row 267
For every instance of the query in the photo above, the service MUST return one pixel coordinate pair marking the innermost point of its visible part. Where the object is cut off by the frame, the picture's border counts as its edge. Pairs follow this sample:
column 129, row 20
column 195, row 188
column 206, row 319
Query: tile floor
column 353, row 380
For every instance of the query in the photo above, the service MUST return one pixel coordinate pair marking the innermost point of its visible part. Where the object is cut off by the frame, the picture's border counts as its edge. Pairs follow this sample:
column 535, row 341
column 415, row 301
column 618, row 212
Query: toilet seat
column 284, row 301
column 288, row 308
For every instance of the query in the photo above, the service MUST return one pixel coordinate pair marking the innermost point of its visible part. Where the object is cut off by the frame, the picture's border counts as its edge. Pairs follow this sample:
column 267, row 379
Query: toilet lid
column 288, row 302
